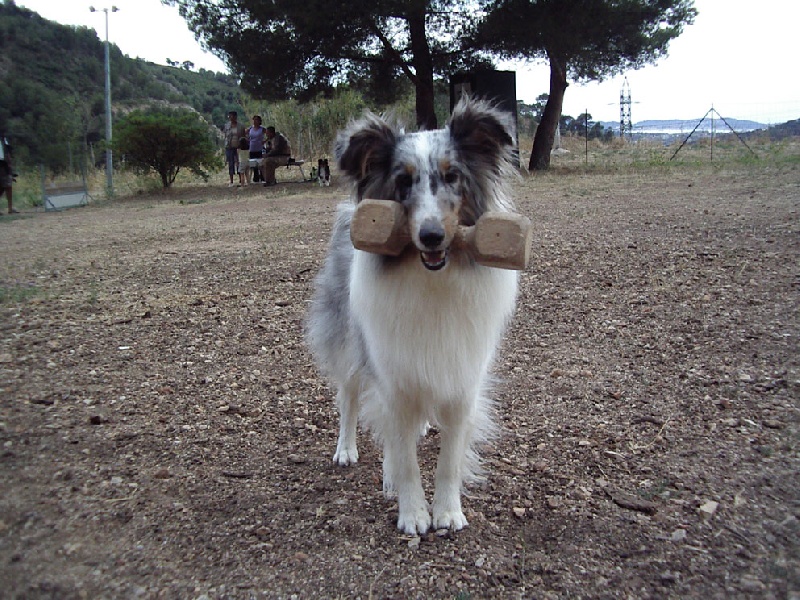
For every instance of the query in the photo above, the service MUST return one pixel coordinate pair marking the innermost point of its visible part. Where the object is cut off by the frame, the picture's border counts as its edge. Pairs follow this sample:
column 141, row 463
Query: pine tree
column 583, row 40
column 288, row 49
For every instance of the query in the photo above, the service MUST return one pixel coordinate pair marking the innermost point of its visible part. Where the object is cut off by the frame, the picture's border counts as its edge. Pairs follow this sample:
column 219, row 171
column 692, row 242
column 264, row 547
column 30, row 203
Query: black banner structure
column 499, row 87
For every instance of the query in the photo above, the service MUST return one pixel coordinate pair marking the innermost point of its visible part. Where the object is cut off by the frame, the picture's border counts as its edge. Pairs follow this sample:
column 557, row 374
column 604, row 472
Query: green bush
column 166, row 140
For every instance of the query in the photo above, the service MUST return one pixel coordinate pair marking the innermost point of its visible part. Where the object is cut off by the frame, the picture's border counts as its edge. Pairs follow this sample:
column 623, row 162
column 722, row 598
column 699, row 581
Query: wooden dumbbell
column 497, row 239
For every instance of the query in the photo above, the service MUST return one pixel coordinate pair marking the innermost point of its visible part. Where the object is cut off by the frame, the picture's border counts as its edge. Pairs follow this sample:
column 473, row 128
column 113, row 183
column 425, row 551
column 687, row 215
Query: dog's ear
column 365, row 148
column 480, row 130
column 483, row 137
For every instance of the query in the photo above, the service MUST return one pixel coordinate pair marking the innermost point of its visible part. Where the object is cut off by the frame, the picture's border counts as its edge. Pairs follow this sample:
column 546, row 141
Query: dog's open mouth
column 434, row 261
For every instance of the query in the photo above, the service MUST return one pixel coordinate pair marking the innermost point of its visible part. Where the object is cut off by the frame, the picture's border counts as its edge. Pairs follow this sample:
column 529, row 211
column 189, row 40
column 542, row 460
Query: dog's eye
column 450, row 177
column 403, row 182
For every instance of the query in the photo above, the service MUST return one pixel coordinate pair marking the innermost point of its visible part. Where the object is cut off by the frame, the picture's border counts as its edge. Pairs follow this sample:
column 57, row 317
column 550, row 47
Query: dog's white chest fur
column 431, row 333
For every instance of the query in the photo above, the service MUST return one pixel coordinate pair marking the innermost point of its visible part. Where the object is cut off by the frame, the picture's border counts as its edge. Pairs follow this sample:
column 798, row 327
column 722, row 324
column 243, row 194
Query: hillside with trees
column 52, row 88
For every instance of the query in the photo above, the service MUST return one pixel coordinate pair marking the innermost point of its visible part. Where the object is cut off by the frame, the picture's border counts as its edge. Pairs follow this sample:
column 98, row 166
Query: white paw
column 414, row 521
column 346, row 456
column 453, row 520
column 447, row 513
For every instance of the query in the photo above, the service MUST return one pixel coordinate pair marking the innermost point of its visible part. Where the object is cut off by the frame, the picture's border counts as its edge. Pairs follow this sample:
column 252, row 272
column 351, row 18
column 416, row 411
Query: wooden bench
column 64, row 195
column 293, row 162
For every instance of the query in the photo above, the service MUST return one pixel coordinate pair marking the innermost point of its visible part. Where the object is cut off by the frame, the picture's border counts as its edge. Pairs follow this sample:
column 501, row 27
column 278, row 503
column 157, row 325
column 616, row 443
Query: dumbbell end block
column 380, row 226
column 501, row 240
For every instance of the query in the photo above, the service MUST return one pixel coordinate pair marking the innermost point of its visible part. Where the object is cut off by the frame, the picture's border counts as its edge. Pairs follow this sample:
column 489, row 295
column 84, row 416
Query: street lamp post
column 109, row 157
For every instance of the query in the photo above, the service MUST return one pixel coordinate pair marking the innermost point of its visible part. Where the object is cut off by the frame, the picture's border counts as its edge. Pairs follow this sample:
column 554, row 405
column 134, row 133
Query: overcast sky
column 740, row 57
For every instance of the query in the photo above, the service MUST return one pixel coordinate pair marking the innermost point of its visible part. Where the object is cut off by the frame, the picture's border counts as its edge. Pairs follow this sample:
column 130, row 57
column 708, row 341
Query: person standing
column 244, row 162
column 233, row 132
column 6, row 173
column 256, row 134
column 278, row 154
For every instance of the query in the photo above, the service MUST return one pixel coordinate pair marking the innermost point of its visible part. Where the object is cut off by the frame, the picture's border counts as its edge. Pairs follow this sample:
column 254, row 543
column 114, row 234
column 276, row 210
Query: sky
column 737, row 57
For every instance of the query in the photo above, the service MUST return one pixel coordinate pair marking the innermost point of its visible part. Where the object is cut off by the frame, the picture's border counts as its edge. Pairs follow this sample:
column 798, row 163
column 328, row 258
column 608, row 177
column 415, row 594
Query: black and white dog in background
column 323, row 172
column 409, row 340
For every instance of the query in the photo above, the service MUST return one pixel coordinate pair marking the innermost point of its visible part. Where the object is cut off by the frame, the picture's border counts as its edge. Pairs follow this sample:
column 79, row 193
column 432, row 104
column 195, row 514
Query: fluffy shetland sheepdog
column 323, row 172
column 409, row 340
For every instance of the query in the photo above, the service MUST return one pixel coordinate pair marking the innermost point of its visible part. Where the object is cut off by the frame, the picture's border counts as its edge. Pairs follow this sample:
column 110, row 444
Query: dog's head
column 443, row 178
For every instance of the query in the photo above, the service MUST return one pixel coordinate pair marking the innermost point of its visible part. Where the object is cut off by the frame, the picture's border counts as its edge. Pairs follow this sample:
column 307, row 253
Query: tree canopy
column 285, row 49
column 288, row 49
column 165, row 141
column 582, row 40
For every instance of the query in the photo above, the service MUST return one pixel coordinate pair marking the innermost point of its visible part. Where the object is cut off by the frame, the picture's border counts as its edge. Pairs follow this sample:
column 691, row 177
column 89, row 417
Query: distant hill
column 52, row 87
column 784, row 130
column 675, row 126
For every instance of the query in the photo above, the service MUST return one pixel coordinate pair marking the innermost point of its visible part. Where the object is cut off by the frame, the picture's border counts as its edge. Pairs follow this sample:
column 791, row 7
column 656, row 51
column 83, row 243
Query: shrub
column 167, row 140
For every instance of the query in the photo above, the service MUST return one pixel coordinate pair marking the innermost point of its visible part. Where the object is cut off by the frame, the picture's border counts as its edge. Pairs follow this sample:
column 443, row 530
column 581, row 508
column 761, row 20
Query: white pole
column 109, row 158
column 109, row 153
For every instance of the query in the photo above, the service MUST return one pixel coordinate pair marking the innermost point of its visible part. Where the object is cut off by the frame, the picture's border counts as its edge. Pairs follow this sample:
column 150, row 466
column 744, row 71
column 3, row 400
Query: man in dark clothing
column 278, row 154
column 6, row 173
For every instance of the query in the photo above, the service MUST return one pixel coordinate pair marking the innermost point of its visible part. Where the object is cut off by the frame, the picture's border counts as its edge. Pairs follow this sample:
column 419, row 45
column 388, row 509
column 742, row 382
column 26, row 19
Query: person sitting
column 278, row 154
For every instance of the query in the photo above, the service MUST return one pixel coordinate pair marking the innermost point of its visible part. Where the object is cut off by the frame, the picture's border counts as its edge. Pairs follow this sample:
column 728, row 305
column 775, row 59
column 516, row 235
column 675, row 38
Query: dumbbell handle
column 497, row 239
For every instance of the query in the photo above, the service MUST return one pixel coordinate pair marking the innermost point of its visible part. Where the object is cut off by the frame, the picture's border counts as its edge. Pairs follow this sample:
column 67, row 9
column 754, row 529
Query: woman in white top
column 256, row 135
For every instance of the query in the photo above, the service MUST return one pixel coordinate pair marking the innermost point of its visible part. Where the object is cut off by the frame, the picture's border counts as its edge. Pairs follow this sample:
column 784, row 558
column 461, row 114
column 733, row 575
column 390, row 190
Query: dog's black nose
column 431, row 235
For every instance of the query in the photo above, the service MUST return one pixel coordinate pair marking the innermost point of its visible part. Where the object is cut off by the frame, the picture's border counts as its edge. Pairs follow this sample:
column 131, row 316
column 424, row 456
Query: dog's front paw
column 414, row 521
column 453, row 520
column 447, row 513
column 345, row 455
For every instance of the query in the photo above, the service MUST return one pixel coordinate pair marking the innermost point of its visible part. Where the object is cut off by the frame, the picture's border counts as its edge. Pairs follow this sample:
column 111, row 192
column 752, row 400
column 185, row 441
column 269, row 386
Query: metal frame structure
column 712, row 111
column 625, row 122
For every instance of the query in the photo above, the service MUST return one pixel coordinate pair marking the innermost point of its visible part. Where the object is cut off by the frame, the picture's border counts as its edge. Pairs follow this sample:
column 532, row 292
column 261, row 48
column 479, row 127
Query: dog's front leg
column 347, row 402
column 401, row 473
column 456, row 429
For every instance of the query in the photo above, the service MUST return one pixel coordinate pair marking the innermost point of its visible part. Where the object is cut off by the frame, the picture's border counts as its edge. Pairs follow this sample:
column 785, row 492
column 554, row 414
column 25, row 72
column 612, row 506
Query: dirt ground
column 165, row 434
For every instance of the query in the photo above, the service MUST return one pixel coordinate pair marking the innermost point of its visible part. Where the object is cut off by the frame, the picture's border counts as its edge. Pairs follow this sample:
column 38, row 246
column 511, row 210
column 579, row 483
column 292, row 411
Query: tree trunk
column 426, row 111
column 423, row 66
column 545, row 133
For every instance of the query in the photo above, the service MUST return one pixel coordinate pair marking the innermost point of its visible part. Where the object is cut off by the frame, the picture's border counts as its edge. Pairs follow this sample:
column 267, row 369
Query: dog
column 408, row 341
column 323, row 172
